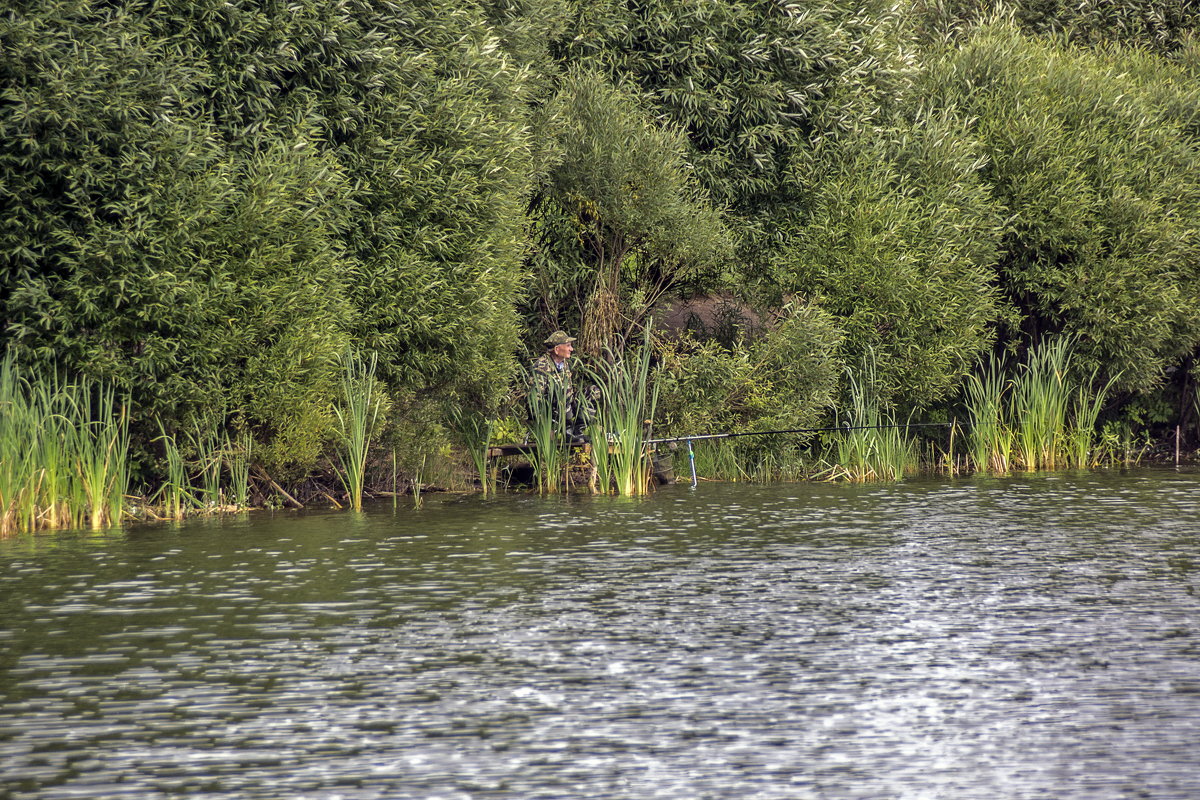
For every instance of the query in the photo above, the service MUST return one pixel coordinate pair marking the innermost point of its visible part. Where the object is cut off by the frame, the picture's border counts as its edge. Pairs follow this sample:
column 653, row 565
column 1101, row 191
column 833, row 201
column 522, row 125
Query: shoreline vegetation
column 260, row 254
column 65, row 448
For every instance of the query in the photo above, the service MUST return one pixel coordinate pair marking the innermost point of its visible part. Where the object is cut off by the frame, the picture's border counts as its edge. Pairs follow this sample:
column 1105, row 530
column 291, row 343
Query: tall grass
column 1043, row 417
column 627, row 400
column 604, row 474
column 205, row 441
column 1196, row 406
column 18, row 486
column 63, row 452
column 357, row 415
column 1117, row 444
column 417, row 481
column 989, row 437
column 216, row 478
column 1081, row 438
column 874, row 446
column 784, row 461
column 102, row 447
column 548, row 430
column 238, row 455
column 1041, row 397
column 719, row 459
column 476, row 432
column 174, row 497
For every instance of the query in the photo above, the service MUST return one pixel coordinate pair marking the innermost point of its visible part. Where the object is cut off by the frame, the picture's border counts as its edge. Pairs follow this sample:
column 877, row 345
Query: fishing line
column 731, row 435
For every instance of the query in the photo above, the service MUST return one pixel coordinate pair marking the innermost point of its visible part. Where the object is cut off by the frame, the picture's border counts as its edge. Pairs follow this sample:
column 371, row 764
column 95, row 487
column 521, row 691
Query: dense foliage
column 898, row 241
column 1093, row 158
column 781, row 380
column 209, row 204
column 620, row 219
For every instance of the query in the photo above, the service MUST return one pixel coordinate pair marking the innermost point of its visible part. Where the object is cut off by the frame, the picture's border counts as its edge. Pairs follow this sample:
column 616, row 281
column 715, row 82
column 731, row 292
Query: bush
column 620, row 219
column 1094, row 157
column 785, row 379
column 211, row 200
column 898, row 243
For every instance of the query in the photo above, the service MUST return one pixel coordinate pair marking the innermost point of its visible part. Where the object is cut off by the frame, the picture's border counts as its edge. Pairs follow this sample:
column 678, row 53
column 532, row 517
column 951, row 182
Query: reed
column 63, row 452
column 357, row 415
column 174, row 497
column 627, row 400
column 791, row 464
column 1117, row 444
column 874, row 446
column 1043, row 418
column 98, row 447
column 216, row 479
column 418, row 477
column 476, row 432
column 17, row 484
column 719, row 459
column 1041, row 397
column 1196, row 406
column 47, row 490
column 238, row 454
column 989, row 437
column 775, row 464
column 547, row 429
column 395, row 478
column 204, row 439
column 1081, row 437
column 602, row 465
column 758, row 459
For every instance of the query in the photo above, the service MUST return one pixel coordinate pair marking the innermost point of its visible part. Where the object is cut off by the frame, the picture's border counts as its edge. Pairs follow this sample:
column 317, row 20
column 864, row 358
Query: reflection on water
column 1028, row 637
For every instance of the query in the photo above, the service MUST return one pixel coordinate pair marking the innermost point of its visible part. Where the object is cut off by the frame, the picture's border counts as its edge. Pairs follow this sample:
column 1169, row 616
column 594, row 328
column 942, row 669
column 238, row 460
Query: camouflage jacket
column 545, row 374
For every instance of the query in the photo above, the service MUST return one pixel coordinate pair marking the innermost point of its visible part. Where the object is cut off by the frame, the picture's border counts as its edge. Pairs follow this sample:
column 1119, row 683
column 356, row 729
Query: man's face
column 563, row 351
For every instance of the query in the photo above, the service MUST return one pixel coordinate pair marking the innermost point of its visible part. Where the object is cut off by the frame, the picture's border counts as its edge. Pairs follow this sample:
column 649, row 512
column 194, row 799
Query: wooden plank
column 501, row 450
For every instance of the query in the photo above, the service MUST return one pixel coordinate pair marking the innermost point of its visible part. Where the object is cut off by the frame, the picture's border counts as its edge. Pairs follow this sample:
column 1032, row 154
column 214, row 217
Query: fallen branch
column 262, row 473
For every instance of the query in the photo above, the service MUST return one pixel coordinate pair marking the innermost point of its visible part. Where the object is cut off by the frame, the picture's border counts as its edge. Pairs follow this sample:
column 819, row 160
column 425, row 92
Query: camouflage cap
column 557, row 338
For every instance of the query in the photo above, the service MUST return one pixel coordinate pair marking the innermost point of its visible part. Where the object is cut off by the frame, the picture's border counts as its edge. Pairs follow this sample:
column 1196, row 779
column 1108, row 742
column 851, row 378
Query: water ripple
column 1026, row 637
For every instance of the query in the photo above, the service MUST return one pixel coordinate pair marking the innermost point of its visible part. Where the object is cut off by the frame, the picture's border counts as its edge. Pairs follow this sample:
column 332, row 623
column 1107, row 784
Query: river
column 1016, row 637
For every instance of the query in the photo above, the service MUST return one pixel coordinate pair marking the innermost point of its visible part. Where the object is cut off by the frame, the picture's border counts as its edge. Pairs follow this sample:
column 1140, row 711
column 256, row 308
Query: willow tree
column 1161, row 26
column 899, row 242
column 753, row 85
column 142, row 247
column 620, row 219
column 422, row 108
column 206, row 202
column 1094, row 156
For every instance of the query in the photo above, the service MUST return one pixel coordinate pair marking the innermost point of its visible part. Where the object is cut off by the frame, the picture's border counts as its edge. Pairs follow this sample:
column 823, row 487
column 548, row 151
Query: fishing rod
column 732, row 435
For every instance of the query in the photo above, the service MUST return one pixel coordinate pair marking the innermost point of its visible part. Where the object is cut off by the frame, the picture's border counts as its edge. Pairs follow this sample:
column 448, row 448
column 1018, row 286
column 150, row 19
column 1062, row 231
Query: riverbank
column 322, row 492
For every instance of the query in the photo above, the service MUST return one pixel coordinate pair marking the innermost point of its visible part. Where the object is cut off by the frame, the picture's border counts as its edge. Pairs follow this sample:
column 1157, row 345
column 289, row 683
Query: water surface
column 1025, row 637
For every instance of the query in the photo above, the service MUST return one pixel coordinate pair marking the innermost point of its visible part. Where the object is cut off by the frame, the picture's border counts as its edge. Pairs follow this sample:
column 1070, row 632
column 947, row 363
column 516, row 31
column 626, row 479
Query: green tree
column 620, row 219
column 785, row 378
column 1094, row 158
column 142, row 250
column 421, row 106
column 754, row 85
column 899, row 243
column 211, row 199
column 1161, row 26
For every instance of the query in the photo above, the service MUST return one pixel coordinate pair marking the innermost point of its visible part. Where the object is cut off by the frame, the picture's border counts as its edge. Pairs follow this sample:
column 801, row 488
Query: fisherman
column 551, row 378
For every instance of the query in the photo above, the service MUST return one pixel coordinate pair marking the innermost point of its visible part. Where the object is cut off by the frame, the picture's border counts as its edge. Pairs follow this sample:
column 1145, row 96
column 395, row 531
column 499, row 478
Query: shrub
column 898, row 244
column 785, row 379
column 1094, row 157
